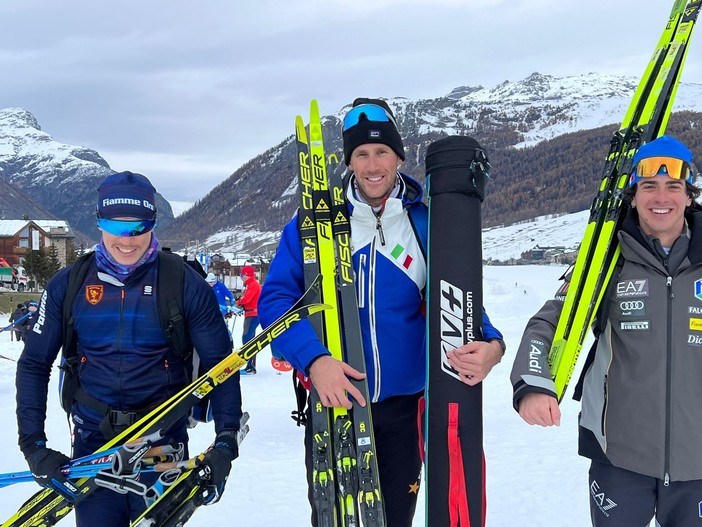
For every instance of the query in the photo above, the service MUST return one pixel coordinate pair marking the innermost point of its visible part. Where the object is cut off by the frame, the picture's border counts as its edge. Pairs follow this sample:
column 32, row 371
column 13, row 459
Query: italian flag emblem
column 399, row 253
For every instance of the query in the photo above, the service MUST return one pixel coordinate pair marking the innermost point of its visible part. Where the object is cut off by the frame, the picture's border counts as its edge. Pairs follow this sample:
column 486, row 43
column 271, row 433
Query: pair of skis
column 47, row 507
column 645, row 120
column 345, row 481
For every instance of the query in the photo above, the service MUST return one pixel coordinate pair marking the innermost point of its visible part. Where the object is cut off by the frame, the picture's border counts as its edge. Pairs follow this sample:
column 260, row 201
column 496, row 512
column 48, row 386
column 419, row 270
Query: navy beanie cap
column 366, row 131
column 126, row 195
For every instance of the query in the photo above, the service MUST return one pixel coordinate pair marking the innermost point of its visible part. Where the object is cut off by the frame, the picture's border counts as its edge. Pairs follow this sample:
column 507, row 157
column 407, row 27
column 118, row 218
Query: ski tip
column 300, row 130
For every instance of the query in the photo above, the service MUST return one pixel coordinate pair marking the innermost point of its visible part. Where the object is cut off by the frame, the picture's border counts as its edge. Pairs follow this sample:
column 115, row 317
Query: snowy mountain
column 540, row 131
column 61, row 178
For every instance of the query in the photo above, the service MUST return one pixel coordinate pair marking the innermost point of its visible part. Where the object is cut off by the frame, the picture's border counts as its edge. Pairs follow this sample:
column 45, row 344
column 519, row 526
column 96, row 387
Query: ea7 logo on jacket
column 632, row 288
column 94, row 293
column 456, row 307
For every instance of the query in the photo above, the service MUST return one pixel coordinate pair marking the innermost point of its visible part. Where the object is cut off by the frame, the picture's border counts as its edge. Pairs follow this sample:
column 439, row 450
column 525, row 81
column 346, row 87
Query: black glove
column 45, row 465
column 218, row 460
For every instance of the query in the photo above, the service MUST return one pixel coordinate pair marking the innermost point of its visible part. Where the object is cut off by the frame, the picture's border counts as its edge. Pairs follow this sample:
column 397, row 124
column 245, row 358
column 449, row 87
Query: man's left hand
column 473, row 361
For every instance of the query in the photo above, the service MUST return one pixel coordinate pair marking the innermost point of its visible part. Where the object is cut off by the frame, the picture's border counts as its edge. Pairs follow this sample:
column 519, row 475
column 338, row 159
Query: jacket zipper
column 379, row 228
column 668, row 387
column 361, row 281
column 371, row 320
column 119, row 340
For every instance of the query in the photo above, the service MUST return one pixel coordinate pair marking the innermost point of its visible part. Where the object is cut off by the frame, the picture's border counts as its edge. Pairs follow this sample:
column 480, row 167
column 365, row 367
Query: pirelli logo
column 696, row 324
column 642, row 325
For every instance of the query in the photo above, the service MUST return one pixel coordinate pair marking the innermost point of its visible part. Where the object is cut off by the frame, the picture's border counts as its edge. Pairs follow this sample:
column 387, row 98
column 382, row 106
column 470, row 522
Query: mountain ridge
column 546, row 138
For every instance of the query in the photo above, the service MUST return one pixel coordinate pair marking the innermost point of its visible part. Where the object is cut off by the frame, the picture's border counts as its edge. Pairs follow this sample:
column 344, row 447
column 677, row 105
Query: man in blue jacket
column 225, row 298
column 386, row 212
column 126, row 364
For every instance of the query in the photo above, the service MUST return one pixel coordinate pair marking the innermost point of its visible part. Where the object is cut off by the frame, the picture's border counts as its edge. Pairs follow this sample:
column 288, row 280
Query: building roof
column 12, row 227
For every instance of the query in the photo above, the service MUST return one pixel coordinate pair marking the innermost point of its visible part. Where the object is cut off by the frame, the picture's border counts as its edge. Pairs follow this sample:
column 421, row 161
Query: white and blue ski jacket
column 390, row 267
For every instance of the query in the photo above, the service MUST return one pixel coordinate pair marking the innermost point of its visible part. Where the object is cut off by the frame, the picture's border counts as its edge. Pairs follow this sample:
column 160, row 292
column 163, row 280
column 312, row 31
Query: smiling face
column 375, row 166
column 660, row 202
column 126, row 250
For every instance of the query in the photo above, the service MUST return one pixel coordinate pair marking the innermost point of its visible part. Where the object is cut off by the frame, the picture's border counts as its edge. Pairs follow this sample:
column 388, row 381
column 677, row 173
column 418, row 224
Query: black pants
column 620, row 497
column 399, row 462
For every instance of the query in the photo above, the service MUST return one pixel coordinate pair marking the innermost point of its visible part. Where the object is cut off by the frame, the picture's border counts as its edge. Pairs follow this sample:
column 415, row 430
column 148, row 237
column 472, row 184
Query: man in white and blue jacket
column 389, row 230
column 127, row 367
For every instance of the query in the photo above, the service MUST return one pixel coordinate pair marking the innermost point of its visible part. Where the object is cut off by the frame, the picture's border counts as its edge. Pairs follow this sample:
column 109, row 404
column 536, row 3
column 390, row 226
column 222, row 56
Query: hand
column 473, row 361
column 218, row 460
column 45, row 465
column 330, row 378
column 540, row 409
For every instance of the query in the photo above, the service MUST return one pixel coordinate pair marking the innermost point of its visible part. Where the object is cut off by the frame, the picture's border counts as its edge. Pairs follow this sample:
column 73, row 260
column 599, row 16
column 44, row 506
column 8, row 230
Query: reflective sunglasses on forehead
column 372, row 112
column 651, row 166
column 126, row 227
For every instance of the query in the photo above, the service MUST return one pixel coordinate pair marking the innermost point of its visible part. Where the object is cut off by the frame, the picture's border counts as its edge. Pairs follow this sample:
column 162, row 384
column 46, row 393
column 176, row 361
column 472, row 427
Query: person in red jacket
column 249, row 301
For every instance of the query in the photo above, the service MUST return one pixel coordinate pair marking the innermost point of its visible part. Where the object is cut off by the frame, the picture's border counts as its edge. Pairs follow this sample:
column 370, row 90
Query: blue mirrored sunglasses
column 125, row 227
column 371, row 112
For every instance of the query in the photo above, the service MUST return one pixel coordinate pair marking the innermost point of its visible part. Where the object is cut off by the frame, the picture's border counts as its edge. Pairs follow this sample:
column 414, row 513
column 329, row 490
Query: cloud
column 211, row 85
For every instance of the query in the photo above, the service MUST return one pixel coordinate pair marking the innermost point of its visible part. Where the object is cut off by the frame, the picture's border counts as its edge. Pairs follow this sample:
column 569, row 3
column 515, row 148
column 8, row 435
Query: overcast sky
column 186, row 92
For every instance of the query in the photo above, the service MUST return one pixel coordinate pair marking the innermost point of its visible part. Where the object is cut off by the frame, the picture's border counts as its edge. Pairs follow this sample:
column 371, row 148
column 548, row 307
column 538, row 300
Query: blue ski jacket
column 126, row 362
column 390, row 267
column 223, row 293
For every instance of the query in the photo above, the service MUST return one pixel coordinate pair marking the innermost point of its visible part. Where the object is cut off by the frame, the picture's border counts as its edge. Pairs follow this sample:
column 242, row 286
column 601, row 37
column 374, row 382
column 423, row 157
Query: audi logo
column 631, row 305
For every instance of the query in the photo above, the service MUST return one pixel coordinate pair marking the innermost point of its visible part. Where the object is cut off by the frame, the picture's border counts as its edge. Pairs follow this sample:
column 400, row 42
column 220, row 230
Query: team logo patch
column 632, row 288
column 94, row 293
column 698, row 289
column 636, row 326
column 148, row 290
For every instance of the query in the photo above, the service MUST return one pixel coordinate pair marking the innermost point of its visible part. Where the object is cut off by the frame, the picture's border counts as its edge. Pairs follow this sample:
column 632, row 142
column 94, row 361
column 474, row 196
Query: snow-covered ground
column 534, row 475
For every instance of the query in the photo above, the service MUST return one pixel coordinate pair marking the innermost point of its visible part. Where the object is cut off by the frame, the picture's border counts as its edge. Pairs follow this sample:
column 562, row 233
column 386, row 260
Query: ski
column 369, row 491
column 645, row 119
column 46, row 507
column 342, row 425
column 350, row 495
column 322, row 458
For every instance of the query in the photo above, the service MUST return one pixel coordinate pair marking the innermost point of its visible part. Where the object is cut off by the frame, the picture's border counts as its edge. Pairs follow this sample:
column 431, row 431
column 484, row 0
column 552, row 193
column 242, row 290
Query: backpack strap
column 69, row 350
column 169, row 295
column 419, row 220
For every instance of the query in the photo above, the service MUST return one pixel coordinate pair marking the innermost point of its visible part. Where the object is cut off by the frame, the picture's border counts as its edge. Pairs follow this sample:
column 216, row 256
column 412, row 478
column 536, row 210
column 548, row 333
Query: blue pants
column 250, row 325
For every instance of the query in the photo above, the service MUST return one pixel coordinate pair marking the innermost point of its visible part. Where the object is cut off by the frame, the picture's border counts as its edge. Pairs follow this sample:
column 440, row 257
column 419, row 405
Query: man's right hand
column 540, row 409
column 330, row 378
column 45, row 465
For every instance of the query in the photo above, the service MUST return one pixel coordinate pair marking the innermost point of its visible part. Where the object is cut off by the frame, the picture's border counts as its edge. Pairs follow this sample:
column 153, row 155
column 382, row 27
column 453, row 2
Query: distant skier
column 641, row 418
column 225, row 298
column 18, row 313
column 249, row 302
